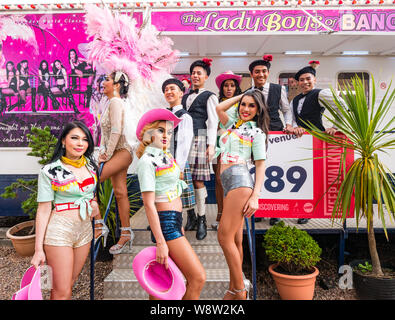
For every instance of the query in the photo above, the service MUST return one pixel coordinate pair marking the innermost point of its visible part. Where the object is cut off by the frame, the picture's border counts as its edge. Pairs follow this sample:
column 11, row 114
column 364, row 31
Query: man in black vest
column 276, row 99
column 173, row 90
column 307, row 105
column 200, row 104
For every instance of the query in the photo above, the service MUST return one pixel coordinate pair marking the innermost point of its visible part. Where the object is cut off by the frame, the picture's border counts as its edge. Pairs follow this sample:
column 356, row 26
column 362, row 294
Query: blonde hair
column 146, row 138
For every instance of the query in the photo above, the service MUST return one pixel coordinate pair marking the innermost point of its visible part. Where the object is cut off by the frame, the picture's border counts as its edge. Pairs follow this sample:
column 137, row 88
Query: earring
column 63, row 146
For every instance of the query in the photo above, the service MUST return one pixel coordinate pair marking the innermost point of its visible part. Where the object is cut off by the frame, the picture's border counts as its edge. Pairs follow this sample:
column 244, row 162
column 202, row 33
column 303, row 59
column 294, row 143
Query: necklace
column 75, row 163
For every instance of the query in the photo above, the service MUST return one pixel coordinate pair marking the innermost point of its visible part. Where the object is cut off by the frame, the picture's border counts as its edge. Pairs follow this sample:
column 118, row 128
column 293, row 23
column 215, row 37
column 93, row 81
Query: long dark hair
column 76, row 55
column 13, row 68
column 19, row 67
column 55, row 68
column 123, row 84
column 46, row 70
column 262, row 118
column 59, row 151
column 221, row 90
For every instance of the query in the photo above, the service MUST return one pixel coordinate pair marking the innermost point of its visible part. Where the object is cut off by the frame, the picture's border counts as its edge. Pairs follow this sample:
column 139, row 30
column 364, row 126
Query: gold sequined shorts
column 64, row 231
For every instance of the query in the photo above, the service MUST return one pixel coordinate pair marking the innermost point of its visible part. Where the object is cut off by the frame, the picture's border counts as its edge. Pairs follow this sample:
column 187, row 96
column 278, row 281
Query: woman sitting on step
column 161, row 188
column 245, row 139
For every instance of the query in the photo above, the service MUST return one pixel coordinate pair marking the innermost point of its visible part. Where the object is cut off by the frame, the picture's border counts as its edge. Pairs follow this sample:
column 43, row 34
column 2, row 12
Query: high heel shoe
column 236, row 291
column 104, row 231
column 127, row 246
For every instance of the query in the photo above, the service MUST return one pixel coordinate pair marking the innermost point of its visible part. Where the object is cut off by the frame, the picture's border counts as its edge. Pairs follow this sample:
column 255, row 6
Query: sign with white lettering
column 298, row 173
column 270, row 21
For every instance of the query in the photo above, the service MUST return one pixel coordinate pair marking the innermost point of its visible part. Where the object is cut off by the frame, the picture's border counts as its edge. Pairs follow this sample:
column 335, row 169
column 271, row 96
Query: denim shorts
column 236, row 176
column 171, row 224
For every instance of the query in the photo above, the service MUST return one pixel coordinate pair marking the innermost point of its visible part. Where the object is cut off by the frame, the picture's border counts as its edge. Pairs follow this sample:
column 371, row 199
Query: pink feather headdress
column 16, row 27
column 118, row 44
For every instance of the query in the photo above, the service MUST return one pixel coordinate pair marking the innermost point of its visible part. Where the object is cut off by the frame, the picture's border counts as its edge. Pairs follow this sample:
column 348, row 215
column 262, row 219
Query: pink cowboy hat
column 162, row 283
column 226, row 76
column 30, row 286
column 154, row 115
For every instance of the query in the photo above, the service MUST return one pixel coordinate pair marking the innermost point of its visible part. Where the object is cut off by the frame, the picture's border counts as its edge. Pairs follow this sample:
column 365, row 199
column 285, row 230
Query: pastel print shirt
column 241, row 141
column 58, row 184
column 158, row 171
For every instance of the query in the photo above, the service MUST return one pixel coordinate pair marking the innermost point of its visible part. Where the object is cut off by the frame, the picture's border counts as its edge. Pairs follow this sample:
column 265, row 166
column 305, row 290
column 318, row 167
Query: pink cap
column 160, row 114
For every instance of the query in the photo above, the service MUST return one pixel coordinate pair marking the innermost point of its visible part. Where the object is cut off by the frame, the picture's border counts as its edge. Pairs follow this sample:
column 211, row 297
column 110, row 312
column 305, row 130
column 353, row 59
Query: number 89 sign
column 295, row 180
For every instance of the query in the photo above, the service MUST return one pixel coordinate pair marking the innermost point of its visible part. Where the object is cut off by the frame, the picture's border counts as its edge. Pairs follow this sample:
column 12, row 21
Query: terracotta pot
column 23, row 245
column 292, row 287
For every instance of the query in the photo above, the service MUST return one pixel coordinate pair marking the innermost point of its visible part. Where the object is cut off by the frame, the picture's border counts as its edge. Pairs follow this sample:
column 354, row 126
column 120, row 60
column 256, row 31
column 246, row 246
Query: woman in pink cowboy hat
column 161, row 188
column 228, row 85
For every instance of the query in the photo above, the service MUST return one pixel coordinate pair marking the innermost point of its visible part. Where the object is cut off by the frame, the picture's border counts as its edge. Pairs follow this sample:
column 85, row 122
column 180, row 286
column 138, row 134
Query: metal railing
column 95, row 247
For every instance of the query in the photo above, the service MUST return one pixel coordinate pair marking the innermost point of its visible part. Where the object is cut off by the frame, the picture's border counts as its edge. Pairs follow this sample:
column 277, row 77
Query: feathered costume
column 147, row 59
column 16, row 27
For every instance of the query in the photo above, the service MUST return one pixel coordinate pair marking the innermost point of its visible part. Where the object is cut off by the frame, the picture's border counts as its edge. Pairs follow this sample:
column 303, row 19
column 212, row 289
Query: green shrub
column 42, row 142
column 293, row 249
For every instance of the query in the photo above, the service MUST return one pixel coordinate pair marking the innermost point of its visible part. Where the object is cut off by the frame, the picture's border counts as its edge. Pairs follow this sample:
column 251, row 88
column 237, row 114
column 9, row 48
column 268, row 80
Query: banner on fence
column 298, row 172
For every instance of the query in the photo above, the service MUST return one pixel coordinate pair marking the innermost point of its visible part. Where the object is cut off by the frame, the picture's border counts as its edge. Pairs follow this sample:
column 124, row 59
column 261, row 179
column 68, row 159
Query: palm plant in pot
column 295, row 254
column 367, row 127
column 22, row 234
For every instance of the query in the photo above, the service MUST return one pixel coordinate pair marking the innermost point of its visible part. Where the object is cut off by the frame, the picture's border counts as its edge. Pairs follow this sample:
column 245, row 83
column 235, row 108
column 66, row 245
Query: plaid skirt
column 198, row 161
column 188, row 195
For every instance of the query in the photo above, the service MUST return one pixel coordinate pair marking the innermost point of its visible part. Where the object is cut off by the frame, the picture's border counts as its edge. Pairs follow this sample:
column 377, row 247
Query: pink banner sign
column 265, row 21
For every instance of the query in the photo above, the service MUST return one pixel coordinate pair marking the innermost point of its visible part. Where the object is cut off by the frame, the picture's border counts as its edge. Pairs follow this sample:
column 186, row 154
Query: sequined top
column 241, row 141
column 58, row 184
column 158, row 171
column 112, row 124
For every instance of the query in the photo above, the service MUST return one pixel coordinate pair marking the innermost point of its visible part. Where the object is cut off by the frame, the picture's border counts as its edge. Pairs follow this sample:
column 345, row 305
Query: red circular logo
column 308, row 207
column 383, row 85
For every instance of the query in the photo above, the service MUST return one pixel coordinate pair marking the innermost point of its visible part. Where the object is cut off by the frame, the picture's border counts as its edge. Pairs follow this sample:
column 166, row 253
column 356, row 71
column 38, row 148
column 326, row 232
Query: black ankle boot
column 71, row 99
column 88, row 96
column 55, row 102
column 303, row 220
column 191, row 220
column 201, row 232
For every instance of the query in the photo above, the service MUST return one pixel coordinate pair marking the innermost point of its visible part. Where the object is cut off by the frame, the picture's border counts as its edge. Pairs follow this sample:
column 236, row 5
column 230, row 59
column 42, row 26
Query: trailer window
column 287, row 79
column 344, row 79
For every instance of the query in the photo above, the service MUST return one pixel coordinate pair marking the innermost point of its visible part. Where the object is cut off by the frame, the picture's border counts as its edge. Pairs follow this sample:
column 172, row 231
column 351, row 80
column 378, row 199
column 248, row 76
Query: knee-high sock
column 201, row 195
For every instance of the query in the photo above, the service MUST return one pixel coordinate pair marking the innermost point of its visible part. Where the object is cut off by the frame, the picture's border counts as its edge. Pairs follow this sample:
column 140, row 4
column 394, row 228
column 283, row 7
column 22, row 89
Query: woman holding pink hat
column 228, row 84
column 161, row 188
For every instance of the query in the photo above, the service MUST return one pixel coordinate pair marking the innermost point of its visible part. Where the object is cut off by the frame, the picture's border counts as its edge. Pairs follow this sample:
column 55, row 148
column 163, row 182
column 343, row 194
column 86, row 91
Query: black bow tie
column 195, row 91
column 259, row 88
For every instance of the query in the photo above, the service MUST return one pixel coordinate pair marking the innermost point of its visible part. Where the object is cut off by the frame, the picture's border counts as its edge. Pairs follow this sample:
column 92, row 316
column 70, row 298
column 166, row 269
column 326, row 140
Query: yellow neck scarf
column 239, row 123
column 75, row 163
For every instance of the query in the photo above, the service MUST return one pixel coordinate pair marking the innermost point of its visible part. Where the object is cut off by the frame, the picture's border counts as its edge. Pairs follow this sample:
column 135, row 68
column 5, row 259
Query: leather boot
column 3, row 103
column 55, row 102
column 201, row 232
column 71, row 99
column 191, row 220
column 88, row 96
column 34, row 100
